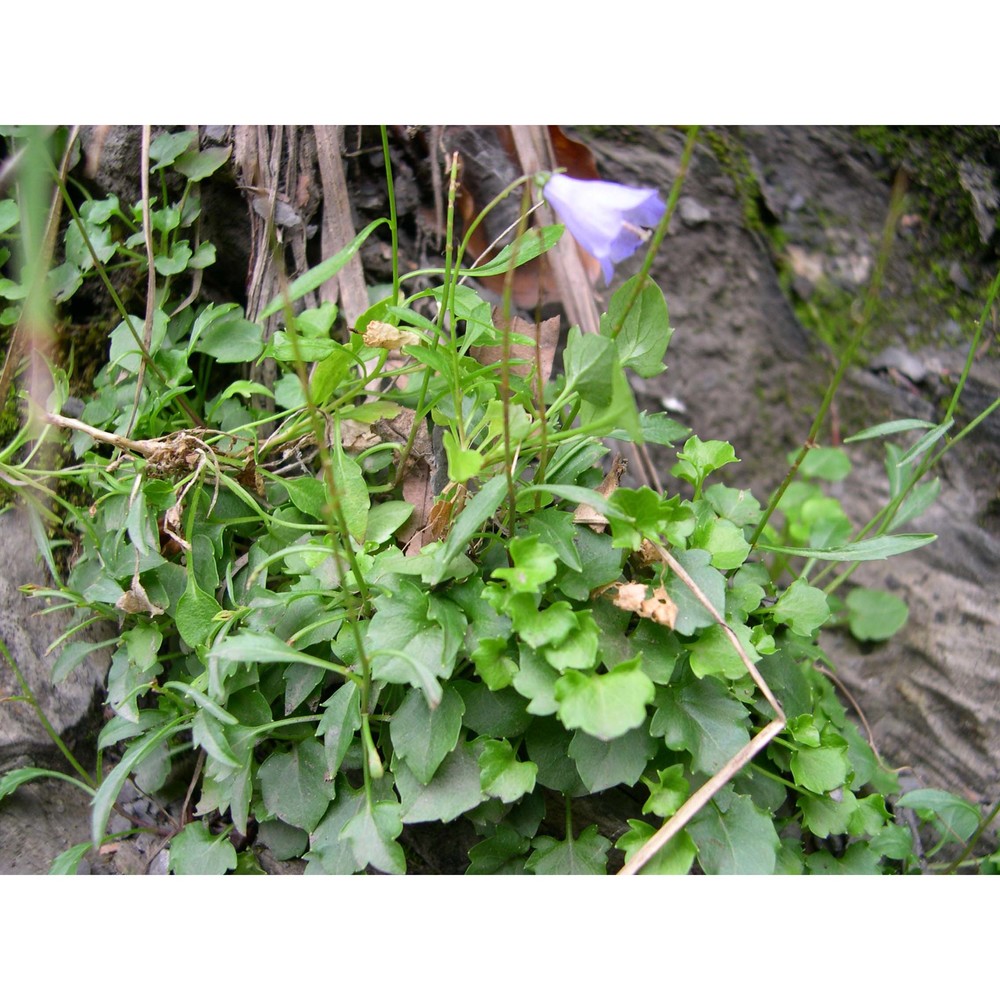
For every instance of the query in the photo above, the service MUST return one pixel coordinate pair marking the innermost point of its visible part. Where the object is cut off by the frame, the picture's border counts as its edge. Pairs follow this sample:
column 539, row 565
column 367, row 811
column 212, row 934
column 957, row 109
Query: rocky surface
column 775, row 224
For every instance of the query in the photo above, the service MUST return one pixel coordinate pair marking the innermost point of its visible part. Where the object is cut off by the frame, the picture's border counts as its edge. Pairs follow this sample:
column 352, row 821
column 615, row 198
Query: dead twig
column 704, row 794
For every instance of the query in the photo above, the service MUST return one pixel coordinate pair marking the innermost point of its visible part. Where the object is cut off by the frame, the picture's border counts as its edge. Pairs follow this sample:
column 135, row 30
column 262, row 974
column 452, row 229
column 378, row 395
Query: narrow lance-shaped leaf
column 321, row 273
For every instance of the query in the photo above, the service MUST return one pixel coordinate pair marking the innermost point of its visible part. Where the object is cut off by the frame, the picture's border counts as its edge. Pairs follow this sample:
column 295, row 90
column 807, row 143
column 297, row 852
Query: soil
column 765, row 270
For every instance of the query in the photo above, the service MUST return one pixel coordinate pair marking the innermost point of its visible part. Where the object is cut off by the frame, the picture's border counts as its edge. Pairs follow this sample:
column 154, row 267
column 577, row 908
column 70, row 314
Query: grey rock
column 693, row 213
column 902, row 361
column 958, row 277
column 27, row 635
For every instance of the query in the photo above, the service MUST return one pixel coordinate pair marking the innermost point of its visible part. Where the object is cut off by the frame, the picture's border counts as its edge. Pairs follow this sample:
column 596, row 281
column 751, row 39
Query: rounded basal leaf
column 820, row 769
column 422, row 736
column 605, row 705
column 534, row 565
column 294, row 784
column 587, row 855
column 195, row 851
column 740, row 841
column 607, row 763
column 674, row 858
column 875, row 615
column 454, row 789
column 502, row 775
column 372, row 835
column 802, row 608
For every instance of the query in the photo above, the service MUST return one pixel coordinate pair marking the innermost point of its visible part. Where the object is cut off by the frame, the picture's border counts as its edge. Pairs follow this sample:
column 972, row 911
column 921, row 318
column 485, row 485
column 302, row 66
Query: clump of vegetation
column 325, row 652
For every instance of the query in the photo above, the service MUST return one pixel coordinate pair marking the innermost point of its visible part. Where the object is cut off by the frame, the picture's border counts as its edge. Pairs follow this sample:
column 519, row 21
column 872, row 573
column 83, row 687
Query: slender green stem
column 53, row 735
column 393, row 225
column 896, row 203
column 660, row 231
column 884, row 517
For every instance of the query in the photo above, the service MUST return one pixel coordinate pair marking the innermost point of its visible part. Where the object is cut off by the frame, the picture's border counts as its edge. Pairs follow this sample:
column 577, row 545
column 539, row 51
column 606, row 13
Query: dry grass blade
column 704, row 794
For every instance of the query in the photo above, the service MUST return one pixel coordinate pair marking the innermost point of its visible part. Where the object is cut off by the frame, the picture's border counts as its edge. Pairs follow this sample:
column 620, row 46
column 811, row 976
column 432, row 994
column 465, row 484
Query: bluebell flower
column 604, row 218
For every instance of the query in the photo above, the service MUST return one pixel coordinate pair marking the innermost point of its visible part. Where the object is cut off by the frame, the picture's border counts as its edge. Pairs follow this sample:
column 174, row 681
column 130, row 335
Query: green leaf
column 699, row 459
column 674, row 858
column 73, row 654
column 556, row 529
column 739, row 841
column 858, row 859
column 482, row 506
column 589, row 361
column 196, row 612
column 668, row 793
column 165, row 149
column 831, row 464
column 196, row 166
column 407, row 643
column 529, row 245
column 820, row 769
column 321, row 273
column 802, row 608
column 12, row 780
column 9, row 214
column 875, row 615
column 658, row 428
column 620, row 417
column 713, row 654
column 703, row 718
column 232, row 339
column 463, row 463
column 866, row 550
column 107, row 794
column 890, row 427
column 68, row 862
column 724, row 541
column 645, row 331
column 691, row 614
column 352, row 492
column 605, row 705
column 825, row 815
column 955, row 817
column 328, row 852
column 548, row 744
column 195, row 851
column 341, row 720
column 502, row 775
column 422, row 736
column 454, row 789
column 501, row 854
column 534, row 565
column 578, row 649
column 925, row 443
column 294, row 784
column 587, row 855
column 372, row 835
column 915, row 503
column 175, row 261
column 263, row 647
column 643, row 513
column 605, row 764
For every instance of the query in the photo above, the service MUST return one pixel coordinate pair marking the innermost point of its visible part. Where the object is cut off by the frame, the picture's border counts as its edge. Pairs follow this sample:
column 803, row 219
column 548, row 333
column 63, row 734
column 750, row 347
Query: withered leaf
column 659, row 607
column 135, row 601
column 585, row 514
column 386, row 335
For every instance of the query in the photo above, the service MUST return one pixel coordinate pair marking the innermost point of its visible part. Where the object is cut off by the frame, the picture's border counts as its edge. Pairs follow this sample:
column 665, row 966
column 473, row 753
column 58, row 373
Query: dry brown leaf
column 585, row 514
column 630, row 596
column 547, row 334
column 386, row 335
column 659, row 608
column 136, row 601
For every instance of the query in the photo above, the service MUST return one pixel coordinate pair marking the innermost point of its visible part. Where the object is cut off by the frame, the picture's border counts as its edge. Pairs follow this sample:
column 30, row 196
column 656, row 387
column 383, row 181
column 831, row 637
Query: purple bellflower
column 604, row 218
